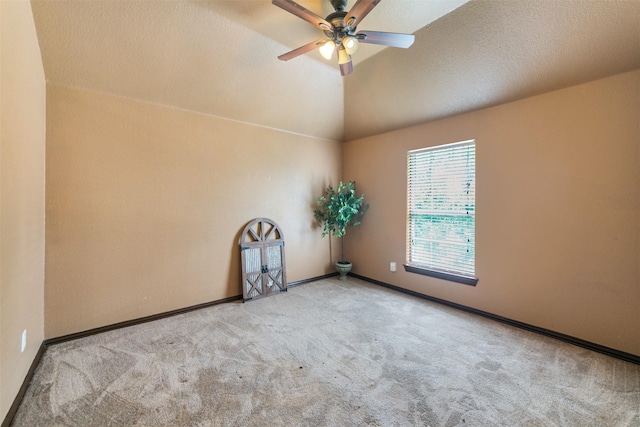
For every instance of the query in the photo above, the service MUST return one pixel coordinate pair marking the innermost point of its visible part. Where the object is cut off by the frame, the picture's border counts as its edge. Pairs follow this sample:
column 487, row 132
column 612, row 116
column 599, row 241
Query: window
column 441, row 212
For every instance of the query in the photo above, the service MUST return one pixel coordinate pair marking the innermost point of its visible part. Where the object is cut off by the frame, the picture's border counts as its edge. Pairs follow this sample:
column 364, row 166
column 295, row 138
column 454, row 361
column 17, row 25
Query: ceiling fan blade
column 301, row 50
column 301, row 12
column 359, row 11
column 386, row 39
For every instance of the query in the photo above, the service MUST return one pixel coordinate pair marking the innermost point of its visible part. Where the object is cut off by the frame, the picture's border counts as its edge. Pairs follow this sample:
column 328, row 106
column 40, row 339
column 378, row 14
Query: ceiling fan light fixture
column 343, row 56
column 350, row 44
column 326, row 50
column 339, row 29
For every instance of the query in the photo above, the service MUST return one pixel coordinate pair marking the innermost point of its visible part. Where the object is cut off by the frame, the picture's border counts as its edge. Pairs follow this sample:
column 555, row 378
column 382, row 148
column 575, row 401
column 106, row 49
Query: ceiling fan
column 340, row 28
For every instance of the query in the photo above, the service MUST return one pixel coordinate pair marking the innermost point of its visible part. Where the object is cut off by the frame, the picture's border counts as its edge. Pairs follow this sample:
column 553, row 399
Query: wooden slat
column 262, row 234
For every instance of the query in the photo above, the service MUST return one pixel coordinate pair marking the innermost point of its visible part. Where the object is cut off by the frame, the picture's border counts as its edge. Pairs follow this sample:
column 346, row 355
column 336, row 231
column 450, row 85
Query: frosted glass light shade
column 326, row 50
column 343, row 56
column 350, row 44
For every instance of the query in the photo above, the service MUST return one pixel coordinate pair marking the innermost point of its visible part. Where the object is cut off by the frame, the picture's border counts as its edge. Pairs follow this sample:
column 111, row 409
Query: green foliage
column 340, row 208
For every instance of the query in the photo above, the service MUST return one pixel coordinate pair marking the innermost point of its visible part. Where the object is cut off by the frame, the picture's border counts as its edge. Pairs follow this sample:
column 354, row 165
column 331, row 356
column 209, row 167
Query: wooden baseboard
column 313, row 279
column 76, row 335
column 8, row 419
column 627, row 357
column 138, row 321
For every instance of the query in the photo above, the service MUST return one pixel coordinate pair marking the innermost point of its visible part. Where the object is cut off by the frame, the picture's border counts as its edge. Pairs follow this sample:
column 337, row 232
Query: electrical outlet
column 23, row 346
column 392, row 266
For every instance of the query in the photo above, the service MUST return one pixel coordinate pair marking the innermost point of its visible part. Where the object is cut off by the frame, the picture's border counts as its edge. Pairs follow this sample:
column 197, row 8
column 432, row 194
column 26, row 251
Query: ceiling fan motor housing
column 340, row 28
column 339, row 5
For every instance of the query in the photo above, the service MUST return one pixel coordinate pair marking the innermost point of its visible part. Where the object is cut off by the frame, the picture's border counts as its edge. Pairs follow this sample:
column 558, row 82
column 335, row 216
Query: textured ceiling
column 490, row 52
column 216, row 57
column 219, row 57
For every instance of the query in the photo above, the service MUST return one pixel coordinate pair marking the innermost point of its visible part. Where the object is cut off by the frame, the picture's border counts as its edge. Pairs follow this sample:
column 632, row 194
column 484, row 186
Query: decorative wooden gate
column 263, row 266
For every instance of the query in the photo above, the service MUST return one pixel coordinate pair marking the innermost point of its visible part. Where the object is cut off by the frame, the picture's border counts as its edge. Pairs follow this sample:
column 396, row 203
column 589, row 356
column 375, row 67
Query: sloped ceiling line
column 220, row 57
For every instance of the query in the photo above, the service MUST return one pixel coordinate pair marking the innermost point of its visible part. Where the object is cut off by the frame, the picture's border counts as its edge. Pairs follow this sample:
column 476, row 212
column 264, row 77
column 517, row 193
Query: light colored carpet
column 329, row 353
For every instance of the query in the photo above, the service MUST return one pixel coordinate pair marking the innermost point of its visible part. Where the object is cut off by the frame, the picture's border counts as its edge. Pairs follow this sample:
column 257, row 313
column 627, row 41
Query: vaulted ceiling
column 219, row 57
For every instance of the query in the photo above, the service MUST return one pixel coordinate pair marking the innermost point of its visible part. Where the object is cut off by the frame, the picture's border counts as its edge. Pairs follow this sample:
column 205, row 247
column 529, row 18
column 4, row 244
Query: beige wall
column 145, row 204
column 558, row 196
column 22, row 158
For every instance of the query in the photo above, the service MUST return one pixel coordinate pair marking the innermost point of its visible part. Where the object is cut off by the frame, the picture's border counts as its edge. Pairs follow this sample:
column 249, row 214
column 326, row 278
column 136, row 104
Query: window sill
column 465, row 280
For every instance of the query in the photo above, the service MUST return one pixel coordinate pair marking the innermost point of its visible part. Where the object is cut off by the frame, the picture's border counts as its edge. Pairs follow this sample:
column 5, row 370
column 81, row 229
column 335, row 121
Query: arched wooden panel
column 263, row 264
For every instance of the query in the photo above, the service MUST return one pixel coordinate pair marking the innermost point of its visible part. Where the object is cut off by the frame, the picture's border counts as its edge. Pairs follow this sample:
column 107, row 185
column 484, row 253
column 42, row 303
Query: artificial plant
column 339, row 209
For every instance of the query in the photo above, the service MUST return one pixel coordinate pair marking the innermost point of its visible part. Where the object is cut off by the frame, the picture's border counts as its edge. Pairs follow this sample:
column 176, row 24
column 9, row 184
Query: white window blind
column 441, row 208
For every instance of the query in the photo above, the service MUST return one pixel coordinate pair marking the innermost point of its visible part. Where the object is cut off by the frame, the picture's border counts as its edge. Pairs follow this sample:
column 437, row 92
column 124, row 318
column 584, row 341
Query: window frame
column 417, row 268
